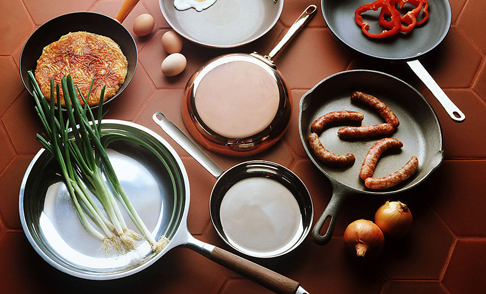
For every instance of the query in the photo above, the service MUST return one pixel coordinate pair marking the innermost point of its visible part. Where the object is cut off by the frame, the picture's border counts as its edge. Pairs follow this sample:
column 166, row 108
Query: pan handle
column 331, row 212
column 448, row 105
column 125, row 9
column 187, row 144
column 257, row 273
column 293, row 30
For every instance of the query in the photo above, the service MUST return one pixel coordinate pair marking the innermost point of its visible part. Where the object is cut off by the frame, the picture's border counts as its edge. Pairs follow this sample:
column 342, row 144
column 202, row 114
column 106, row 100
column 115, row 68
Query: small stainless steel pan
column 339, row 16
column 419, row 130
column 259, row 208
column 238, row 104
column 226, row 23
column 54, row 231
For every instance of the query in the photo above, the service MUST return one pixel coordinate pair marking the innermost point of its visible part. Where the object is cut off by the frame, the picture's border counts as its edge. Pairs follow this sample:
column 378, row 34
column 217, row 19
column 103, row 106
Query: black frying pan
column 91, row 22
column 419, row 130
column 339, row 16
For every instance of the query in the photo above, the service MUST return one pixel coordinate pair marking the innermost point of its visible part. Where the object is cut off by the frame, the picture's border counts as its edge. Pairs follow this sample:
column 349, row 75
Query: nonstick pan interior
column 339, row 16
column 91, row 22
column 419, row 130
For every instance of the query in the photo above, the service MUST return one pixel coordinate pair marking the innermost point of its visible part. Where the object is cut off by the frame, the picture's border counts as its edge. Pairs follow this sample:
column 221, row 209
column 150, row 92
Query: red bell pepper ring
column 425, row 12
column 409, row 18
column 385, row 6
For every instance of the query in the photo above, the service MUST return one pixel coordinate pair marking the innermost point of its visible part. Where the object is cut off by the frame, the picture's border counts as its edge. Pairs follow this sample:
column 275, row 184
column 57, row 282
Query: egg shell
column 173, row 64
column 171, row 42
column 143, row 24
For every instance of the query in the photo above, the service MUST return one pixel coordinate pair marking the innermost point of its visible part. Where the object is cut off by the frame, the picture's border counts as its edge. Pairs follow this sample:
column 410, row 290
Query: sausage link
column 374, row 154
column 333, row 117
column 384, row 111
column 365, row 132
column 327, row 157
column 395, row 178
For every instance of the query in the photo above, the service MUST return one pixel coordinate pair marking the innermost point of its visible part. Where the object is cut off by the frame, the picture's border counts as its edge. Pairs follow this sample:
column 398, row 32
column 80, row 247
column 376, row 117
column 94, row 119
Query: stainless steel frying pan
column 339, row 16
column 419, row 130
column 51, row 225
column 256, row 224
column 226, row 23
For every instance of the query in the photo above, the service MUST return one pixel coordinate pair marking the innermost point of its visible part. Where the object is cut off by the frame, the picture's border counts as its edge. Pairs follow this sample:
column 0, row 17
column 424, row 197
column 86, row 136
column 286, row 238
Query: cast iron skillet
column 91, row 22
column 419, row 130
column 339, row 16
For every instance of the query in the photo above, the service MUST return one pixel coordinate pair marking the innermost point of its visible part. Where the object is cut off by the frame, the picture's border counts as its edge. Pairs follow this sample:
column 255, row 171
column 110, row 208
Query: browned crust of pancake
column 83, row 55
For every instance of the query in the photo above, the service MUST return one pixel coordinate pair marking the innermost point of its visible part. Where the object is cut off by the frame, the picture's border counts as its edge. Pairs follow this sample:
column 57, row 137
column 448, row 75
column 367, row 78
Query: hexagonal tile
column 310, row 49
column 456, row 8
column 454, row 62
column 15, row 26
column 471, row 16
column 10, row 182
column 41, row 15
column 11, row 85
column 22, row 124
column 480, row 84
column 464, row 272
column 332, row 263
column 8, row 152
column 422, row 253
column 128, row 105
column 404, row 287
column 239, row 286
column 293, row 130
column 110, row 8
column 201, row 183
column 460, row 140
column 293, row 8
column 456, row 201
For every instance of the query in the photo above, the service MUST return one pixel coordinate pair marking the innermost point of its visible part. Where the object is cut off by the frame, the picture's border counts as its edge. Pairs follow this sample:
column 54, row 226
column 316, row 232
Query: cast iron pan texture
column 339, row 16
column 419, row 130
column 91, row 22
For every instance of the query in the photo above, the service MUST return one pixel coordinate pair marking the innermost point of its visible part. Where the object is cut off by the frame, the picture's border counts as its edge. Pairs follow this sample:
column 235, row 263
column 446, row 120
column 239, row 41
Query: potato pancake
column 84, row 56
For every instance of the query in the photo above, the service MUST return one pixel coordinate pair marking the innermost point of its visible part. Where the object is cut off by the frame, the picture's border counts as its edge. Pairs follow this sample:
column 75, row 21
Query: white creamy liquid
column 260, row 215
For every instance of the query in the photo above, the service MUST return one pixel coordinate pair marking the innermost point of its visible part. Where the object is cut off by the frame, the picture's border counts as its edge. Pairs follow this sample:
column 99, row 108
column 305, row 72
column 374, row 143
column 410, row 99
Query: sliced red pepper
column 410, row 18
column 425, row 12
column 385, row 6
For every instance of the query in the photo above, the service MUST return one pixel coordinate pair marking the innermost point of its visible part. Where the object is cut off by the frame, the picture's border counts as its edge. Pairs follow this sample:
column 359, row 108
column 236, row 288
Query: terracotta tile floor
column 446, row 249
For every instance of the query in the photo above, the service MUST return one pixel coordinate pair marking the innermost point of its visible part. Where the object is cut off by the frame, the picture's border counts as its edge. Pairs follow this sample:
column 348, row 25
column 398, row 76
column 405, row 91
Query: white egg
column 199, row 5
column 173, row 64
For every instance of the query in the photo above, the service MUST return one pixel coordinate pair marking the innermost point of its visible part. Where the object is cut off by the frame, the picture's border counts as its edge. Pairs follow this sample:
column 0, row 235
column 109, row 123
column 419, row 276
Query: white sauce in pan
column 260, row 215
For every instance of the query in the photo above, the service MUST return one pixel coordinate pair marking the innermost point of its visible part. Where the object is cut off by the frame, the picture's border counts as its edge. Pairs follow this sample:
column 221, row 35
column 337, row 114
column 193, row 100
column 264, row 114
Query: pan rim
column 128, row 78
column 355, row 48
column 440, row 152
column 222, row 46
column 306, row 205
column 176, row 226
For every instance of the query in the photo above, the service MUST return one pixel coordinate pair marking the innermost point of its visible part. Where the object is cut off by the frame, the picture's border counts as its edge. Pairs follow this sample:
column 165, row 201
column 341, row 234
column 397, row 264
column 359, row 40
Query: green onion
column 85, row 166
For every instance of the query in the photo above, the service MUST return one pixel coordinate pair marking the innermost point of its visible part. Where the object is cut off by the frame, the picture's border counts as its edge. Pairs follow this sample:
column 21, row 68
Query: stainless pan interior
column 225, row 24
column 419, row 130
column 53, row 229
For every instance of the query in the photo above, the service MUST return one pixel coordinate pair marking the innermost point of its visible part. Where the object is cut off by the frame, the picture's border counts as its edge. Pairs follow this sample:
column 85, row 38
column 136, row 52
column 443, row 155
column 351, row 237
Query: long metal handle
column 296, row 26
column 187, row 144
column 448, row 105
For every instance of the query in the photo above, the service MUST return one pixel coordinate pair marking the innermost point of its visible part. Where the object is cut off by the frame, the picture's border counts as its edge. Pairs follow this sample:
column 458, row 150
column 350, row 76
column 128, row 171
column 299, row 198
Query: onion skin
column 394, row 219
column 364, row 239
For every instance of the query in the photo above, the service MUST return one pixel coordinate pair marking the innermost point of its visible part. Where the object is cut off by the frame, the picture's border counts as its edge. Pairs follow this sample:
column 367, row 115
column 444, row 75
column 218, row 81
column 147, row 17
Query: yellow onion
column 394, row 219
column 364, row 239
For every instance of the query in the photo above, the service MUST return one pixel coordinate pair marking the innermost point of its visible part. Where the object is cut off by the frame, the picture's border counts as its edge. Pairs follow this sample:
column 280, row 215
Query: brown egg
column 173, row 64
column 143, row 25
column 171, row 42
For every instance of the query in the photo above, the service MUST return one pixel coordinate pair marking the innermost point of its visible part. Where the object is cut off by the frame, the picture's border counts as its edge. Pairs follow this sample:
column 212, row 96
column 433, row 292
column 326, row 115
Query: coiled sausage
column 330, row 118
column 383, row 110
column 374, row 154
column 395, row 178
column 326, row 156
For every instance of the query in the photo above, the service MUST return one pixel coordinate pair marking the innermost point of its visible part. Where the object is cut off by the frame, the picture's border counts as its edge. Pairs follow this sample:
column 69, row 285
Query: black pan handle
column 337, row 199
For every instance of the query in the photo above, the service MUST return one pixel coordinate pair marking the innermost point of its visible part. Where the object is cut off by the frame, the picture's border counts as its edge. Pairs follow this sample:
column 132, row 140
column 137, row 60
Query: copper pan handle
column 125, row 9
column 293, row 30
